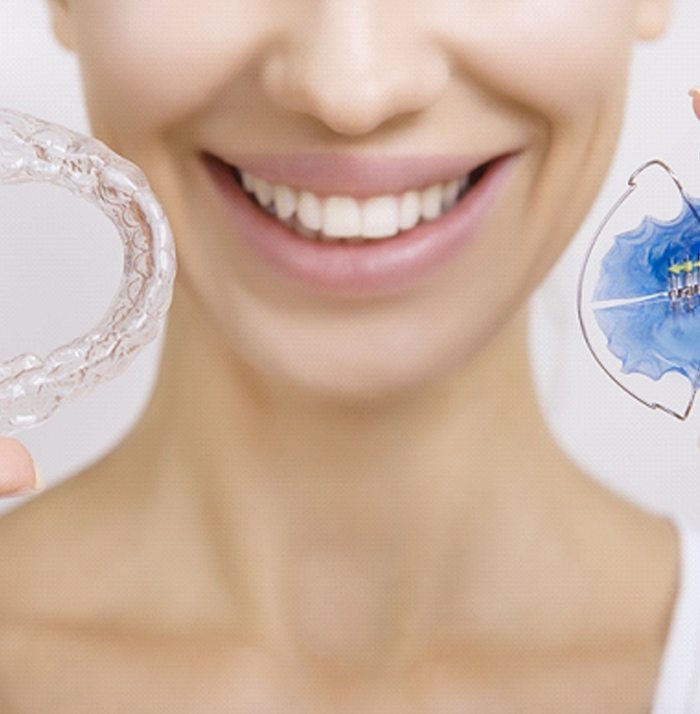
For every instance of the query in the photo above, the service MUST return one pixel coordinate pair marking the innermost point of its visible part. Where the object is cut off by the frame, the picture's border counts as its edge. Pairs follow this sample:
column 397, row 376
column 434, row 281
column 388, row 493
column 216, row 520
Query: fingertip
column 695, row 94
column 18, row 473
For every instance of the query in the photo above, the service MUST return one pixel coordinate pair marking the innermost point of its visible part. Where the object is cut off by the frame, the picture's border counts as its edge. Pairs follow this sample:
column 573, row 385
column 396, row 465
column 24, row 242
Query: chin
column 366, row 377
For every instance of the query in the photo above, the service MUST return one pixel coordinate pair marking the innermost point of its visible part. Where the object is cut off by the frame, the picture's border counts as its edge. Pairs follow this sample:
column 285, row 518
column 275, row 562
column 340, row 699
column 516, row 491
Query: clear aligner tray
column 33, row 150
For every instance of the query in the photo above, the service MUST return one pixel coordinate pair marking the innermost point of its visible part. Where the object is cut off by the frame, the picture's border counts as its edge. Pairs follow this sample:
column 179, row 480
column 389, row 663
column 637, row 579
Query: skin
column 328, row 506
column 18, row 475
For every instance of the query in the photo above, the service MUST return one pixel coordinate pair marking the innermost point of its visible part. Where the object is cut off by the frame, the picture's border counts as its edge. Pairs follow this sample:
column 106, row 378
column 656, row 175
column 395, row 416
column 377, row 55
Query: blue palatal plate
column 646, row 298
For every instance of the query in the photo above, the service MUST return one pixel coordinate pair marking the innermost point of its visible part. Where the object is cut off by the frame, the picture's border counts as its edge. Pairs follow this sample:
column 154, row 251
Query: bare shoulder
column 112, row 546
column 96, row 596
column 63, row 550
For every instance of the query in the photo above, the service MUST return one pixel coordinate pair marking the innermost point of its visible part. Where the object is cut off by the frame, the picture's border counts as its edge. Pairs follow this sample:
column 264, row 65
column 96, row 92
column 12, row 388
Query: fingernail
column 694, row 92
column 39, row 482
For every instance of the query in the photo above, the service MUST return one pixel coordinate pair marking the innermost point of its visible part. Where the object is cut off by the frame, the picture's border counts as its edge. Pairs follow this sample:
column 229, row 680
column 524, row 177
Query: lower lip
column 382, row 267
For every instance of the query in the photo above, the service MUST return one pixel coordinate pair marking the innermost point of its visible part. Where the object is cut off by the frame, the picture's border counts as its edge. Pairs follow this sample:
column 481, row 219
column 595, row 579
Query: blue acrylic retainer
column 639, row 292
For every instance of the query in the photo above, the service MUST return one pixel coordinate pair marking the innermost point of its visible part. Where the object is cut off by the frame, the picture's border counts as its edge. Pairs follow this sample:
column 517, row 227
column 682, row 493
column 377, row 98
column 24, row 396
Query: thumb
column 18, row 473
column 695, row 94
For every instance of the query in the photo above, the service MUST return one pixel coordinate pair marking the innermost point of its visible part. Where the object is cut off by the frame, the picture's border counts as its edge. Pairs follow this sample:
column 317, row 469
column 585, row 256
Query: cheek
column 553, row 56
column 153, row 62
column 562, row 64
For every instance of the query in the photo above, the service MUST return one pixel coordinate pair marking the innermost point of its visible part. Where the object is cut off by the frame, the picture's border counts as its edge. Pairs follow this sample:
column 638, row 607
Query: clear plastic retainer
column 33, row 150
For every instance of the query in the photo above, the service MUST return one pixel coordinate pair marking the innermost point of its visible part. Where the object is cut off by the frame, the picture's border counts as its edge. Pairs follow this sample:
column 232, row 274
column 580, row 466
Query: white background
column 60, row 265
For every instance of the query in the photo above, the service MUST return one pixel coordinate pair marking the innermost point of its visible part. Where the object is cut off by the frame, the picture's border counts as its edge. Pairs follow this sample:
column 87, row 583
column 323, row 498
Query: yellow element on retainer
column 686, row 267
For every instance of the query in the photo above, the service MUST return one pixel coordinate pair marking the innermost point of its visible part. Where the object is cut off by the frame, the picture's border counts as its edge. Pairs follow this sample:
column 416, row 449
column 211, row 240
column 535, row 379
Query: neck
column 358, row 531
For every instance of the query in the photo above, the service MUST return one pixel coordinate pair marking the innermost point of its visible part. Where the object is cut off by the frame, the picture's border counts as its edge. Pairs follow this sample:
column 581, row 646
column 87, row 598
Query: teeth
column 286, row 201
column 431, row 202
column 310, row 211
column 248, row 182
column 380, row 217
column 344, row 217
column 409, row 210
column 263, row 192
column 450, row 195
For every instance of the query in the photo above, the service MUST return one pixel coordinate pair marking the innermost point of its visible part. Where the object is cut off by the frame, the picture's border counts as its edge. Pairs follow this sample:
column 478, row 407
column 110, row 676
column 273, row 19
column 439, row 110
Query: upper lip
column 361, row 176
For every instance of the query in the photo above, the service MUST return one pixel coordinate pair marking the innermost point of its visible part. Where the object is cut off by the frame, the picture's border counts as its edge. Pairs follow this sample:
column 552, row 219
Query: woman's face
column 447, row 85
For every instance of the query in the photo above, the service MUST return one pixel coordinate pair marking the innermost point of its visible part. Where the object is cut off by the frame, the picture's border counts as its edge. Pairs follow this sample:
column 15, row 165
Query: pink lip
column 355, row 175
column 381, row 267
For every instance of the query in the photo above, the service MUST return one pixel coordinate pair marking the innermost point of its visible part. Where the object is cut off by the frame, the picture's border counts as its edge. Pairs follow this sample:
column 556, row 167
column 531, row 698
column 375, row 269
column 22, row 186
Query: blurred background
column 60, row 267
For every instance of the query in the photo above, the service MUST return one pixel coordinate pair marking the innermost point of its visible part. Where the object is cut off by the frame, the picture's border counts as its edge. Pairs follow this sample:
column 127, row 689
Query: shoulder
column 59, row 548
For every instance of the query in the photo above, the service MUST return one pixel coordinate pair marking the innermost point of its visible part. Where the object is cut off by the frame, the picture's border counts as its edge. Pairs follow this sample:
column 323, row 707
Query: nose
column 353, row 67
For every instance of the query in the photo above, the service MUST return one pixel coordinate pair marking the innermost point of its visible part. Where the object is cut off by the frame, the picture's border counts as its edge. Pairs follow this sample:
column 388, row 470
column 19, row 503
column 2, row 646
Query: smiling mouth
column 413, row 232
column 346, row 219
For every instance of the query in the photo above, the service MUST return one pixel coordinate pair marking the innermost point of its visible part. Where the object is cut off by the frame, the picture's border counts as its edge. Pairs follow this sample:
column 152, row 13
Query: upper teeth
column 347, row 217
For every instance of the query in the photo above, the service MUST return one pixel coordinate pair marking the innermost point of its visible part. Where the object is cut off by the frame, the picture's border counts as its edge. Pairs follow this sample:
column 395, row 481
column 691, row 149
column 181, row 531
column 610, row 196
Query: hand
column 695, row 94
column 18, row 476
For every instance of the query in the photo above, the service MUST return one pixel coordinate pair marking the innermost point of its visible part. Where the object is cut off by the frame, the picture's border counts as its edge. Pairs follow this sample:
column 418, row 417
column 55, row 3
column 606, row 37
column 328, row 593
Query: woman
column 342, row 496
